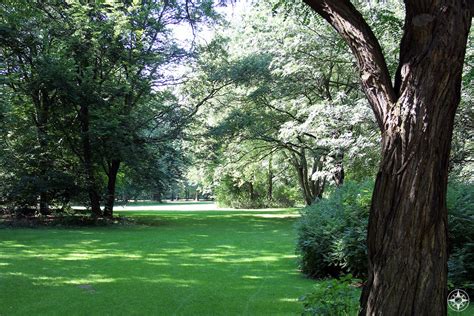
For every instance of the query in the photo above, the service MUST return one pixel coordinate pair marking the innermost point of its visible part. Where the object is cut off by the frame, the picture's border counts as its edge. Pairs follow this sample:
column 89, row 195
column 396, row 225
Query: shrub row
column 332, row 233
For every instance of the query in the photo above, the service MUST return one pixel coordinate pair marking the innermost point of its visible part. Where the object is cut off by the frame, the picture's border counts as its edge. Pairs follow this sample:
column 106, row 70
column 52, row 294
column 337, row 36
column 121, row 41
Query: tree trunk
column 157, row 196
column 307, row 185
column 338, row 175
column 407, row 233
column 270, row 180
column 300, row 164
column 42, row 104
column 94, row 196
column 303, row 185
column 317, row 188
column 111, row 183
column 44, row 203
column 311, row 189
column 251, row 191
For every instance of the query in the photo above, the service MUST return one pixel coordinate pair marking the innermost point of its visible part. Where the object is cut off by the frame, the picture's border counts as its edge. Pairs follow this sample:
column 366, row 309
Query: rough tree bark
column 407, row 233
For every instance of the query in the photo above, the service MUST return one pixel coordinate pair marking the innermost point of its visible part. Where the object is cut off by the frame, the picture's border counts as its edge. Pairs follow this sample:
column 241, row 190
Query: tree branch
column 375, row 78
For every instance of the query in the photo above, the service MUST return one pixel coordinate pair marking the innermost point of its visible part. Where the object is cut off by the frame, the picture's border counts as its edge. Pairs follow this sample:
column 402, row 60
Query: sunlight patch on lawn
column 156, row 259
column 91, row 279
column 276, row 215
column 94, row 255
column 223, row 258
column 12, row 244
column 60, row 280
column 251, row 277
column 178, row 251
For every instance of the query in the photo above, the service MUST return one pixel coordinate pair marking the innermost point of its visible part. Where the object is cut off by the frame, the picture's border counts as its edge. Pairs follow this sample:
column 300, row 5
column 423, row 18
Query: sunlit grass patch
column 185, row 263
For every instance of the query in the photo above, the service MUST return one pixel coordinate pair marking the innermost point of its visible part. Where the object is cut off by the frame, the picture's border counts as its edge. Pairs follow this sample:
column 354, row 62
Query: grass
column 172, row 263
column 177, row 263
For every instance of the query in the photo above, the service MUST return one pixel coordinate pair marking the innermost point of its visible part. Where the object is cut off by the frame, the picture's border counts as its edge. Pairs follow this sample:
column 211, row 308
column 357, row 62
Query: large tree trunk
column 408, row 262
column 111, row 184
column 407, row 233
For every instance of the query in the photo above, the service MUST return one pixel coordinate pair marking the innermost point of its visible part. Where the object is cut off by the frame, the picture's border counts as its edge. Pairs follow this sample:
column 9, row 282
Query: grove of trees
column 87, row 100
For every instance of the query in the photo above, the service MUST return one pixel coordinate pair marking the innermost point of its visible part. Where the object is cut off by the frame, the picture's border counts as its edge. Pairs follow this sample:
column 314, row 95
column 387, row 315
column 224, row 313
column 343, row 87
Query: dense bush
column 332, row 233
column 333, row 297
column 460, row 202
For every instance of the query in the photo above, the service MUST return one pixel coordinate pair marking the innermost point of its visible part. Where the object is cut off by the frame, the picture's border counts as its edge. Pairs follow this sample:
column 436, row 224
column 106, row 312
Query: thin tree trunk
column 94, row 196
column 338, row 176
column 302, row 170
column 270, row 180
column 111, row 184
column 304, row 185
column 311, row 189
column 251, row 191
column 317, row 186
column 157, row 196
column 41, row 118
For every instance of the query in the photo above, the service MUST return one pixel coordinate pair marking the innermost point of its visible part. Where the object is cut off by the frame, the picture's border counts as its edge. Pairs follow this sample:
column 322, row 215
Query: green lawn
column 172, row 263
column 183, row 263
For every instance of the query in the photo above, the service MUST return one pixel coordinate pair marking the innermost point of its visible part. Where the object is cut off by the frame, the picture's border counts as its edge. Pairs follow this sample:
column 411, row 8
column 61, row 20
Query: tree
column 277, row 103
column 407, row 233
column 86, row 74
column 34, row 76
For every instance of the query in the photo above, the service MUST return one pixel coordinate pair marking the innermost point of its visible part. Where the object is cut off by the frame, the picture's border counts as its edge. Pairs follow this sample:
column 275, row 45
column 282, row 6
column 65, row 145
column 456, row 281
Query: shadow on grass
column 196, row 264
